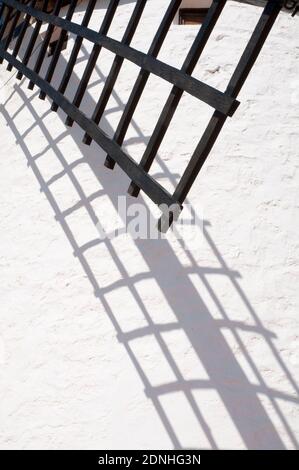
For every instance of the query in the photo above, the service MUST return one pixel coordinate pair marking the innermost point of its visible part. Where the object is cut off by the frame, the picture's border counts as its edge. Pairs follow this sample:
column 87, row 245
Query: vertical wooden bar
column 6, row 20
column 58, row 48
column 21, row 35
column 2, row 8
column 46, row 41
column 218, row 119
column 142, row 79
column 176, row 93
column 8, row 38
column 33, row 40
column 75, row 51
column 93, row 58
column 116, row 67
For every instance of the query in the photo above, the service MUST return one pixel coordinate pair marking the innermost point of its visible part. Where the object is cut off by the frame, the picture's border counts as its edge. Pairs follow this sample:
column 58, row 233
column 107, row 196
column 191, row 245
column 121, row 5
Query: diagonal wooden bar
column 116, row 67
column 142, row 79
column 46, row 41
column 21, row 35
column 58, row 48
column 176, row 94
column 247, row 61
column 93, row 57
column 33, row 39
column 74, row 54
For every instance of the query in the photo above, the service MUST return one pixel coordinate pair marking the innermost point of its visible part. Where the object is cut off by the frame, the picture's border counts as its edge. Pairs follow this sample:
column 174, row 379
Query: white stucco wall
column 144, row 344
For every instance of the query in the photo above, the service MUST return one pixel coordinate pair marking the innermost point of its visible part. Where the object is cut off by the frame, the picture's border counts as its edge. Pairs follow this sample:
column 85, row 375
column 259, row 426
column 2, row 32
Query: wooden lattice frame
column 224, row 103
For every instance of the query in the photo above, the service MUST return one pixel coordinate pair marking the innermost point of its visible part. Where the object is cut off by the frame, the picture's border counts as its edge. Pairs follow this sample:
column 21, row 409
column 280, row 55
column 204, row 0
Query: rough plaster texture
column 144, row 344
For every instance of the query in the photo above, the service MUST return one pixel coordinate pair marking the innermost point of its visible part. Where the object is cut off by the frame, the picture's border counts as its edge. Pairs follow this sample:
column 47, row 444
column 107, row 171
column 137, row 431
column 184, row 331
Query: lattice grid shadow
column 224, row 103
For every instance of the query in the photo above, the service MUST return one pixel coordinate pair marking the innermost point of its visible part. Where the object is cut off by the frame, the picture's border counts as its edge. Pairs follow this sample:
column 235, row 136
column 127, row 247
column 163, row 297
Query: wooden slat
column 7, row 18
column 11, row 30
column 217, row 121
column 2, row 8
column 45, row 43
column 75, row 52
column 33, row 39
column 116, row 67
column 58, row 48
column 142, row 79
column 92, row 60
column 176, row 93
column 21, row 35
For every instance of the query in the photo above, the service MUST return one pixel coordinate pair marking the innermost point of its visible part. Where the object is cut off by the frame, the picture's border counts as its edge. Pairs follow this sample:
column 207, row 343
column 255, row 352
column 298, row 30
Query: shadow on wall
column 240, row 397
